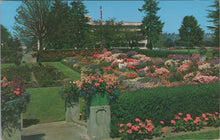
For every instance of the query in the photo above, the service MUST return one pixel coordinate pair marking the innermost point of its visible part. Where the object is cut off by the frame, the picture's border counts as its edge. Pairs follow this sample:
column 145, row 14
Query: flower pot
column 99, row 100
column 72, row 111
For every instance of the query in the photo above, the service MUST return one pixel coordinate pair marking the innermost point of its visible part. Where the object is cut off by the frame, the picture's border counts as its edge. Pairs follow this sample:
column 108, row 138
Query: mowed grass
column 211, row 135
column 45, row 105
column 68, row 72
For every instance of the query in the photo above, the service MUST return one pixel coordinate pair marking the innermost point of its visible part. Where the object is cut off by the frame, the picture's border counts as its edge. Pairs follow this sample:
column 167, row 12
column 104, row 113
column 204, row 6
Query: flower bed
column 37, row 75
column 14, row 100
column 146, row 129
column 131, row 65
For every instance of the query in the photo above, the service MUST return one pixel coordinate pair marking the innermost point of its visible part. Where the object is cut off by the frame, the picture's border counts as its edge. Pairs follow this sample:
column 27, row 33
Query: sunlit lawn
column 45, row 105
column 206, row 136
column 68, row 72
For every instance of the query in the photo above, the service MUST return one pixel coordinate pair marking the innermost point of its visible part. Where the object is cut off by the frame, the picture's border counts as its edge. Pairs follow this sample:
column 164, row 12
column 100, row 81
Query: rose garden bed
column 35, row 75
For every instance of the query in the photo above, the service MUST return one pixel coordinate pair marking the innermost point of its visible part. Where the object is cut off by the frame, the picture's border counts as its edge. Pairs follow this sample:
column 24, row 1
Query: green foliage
column 190, row 33
column 141, row 73
column 156, row 53
column 205, row 135
column 108, row 33
column 214, row 18
column 57, row 36
column 69, row 92
column 47, row 75
column 152, row 26
column 23, row 71
column 79, row 29
column 164, row 103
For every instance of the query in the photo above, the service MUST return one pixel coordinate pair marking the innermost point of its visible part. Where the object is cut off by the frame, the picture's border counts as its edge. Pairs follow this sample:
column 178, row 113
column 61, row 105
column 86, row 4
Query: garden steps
column 55, row 131
column 33, row 78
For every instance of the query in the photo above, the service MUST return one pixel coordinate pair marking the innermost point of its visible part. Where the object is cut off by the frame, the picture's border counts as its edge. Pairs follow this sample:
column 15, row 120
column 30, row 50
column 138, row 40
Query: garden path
column 55, row 131
column 28, row 58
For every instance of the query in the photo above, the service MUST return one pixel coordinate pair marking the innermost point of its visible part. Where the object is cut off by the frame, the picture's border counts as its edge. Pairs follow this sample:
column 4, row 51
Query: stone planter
column 99, row 100
column 72, row 111
column 98, row 123
column 13, row 131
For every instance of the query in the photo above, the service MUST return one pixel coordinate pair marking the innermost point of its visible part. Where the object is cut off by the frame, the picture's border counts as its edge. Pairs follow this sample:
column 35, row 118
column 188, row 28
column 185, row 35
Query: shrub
column 131, row 53
column 116, row 51
column 203, row 50
column 180, row 57
column 215, row 61
column 164, row 103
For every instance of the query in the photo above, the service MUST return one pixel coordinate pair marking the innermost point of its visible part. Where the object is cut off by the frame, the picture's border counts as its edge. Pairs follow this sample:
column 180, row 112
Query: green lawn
column 68, row 72
column 45, row 105
column 206, row 135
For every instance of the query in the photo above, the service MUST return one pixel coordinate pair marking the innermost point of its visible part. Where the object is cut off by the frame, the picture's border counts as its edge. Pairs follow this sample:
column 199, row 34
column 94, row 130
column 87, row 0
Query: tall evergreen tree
column 190, row 32
column 31, row 20
column 79, row 27
column 214, row 17
column 57, row 35
column 151, row 25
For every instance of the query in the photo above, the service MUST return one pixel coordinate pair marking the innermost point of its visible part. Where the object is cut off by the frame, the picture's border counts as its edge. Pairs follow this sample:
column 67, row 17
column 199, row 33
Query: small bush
column 131, row 53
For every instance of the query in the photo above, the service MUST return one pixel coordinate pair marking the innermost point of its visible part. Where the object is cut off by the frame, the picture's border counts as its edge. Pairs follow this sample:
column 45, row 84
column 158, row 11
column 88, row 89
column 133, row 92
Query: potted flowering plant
column 14, row 100
column 69, row 92
column 98, row 90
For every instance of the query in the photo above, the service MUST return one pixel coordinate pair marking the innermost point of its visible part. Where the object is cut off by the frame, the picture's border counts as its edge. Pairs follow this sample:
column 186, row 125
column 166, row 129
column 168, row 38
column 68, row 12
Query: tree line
column 63, row 25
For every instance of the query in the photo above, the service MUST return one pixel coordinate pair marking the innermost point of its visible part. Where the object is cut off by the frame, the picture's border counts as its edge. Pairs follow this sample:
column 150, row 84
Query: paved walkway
column 55, row 131
column 28, row 58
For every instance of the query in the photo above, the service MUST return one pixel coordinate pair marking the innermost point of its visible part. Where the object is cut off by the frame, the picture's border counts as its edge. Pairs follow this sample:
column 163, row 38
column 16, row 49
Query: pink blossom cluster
column 139, row 128
column 161, row 72
column 145, row 59
column 184, row 67
column 188, row 76
column 183, row 123
column 205, row 79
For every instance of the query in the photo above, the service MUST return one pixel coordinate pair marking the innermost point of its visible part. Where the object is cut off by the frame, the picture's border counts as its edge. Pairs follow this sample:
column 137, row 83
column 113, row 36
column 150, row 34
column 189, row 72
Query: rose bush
column 140, row 130
column 90, row 85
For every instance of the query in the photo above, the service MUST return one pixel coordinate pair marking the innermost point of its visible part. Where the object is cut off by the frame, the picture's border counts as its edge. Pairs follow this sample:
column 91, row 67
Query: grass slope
column 45, row 106
column 68, row 72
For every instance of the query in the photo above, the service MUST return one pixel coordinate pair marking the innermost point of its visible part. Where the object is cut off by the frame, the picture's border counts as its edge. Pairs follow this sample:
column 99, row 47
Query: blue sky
column 171, row 12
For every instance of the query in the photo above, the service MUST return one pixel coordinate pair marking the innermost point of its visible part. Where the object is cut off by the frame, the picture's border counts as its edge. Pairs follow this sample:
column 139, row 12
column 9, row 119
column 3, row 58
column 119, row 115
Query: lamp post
column 188, row 31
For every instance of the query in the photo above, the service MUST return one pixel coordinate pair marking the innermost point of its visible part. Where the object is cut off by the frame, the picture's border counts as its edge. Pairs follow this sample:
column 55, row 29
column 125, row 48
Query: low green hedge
column 155, row 53
column 162, row 104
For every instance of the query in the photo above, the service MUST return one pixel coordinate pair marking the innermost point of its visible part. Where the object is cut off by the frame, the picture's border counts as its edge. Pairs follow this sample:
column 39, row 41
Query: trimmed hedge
column 162, row 104
column 155, row 53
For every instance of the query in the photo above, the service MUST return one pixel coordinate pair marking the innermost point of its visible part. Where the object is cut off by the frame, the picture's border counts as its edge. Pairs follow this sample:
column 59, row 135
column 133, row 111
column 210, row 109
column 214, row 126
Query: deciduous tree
column 31, row 20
